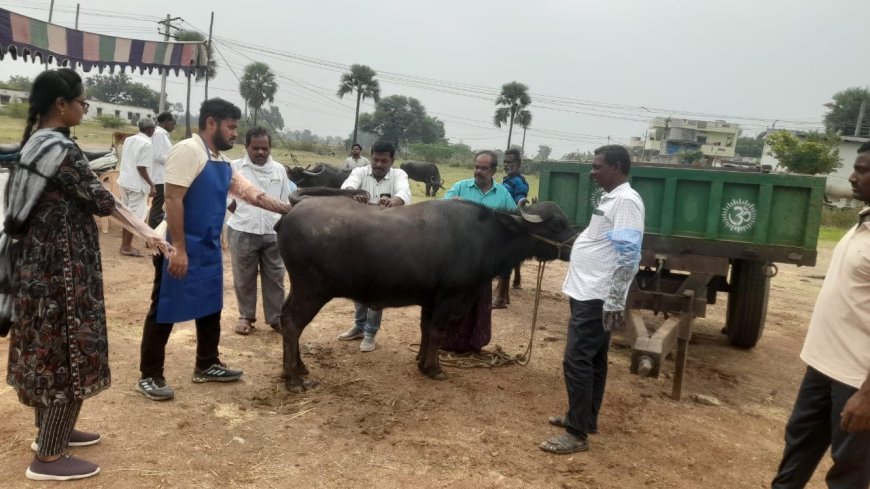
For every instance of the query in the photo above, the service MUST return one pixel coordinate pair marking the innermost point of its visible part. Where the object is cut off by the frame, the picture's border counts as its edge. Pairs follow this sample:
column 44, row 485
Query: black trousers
column 814, row 425
column 155, row 335
column 585, row 366
column 156, row 214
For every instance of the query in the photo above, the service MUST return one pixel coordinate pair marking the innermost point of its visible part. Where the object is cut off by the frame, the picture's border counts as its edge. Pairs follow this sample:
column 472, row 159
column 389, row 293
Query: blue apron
column 200, row 293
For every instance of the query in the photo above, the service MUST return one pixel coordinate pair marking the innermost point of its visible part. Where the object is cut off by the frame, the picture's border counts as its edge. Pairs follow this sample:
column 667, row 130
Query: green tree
column 751, row 147
column 272, row 116
column 572, row 156
column 360, row 79
column 691, row 157
column 400, row 120
column 258, row 86
column 211, row 71
column 17, row 82
column 817, row 153
column 843, row 114
column 514, row 97
column 120, row 89
column 543, row 152
column 524, row 120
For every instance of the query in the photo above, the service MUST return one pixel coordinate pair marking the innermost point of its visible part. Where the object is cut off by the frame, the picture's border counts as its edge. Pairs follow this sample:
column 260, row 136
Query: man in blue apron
column 189, row 286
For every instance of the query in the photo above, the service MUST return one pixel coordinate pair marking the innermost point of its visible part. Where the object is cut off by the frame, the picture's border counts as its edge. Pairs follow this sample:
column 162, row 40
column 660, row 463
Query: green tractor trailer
column 707, row 230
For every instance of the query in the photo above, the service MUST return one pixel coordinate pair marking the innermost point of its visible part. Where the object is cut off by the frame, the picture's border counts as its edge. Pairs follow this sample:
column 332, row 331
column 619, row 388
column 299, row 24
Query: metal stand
column 681, row 298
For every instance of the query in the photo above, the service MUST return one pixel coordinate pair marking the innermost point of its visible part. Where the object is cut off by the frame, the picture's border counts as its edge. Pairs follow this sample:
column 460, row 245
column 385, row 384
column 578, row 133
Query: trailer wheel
column 747, row 302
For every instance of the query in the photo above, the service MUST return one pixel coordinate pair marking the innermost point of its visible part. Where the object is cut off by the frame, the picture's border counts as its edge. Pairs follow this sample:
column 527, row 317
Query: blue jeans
column 813, row 427
column 366, row 319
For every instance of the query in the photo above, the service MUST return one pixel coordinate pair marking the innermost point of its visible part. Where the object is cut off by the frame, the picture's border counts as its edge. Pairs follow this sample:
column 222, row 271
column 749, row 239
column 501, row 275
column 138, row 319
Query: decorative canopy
column 25, row 36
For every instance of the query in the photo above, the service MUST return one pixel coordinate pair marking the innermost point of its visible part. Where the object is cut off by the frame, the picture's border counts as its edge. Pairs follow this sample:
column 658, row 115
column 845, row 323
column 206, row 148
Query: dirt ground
column 376, row 422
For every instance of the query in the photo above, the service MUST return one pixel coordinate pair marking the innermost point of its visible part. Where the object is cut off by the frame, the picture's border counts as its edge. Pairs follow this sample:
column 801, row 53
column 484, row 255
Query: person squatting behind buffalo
column 51, row 277
column 449, row 250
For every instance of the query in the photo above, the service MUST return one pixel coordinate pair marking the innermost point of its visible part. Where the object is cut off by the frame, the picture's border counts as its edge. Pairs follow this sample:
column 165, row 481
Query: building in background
column 128, row 113
column 669, row 136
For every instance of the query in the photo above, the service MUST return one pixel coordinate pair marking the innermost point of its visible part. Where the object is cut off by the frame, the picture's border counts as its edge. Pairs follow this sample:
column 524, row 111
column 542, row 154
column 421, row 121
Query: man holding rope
column 604, row 260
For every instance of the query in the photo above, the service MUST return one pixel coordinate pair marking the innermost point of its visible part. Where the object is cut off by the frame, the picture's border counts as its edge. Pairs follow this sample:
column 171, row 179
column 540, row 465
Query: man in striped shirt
column 604, row 260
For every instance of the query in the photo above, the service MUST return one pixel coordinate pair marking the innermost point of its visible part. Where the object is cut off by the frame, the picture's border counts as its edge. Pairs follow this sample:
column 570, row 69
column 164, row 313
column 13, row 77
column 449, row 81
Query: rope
column 497, row 357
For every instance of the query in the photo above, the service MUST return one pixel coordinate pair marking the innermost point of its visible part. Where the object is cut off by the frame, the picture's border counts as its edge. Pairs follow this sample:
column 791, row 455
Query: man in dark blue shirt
column 516, row 184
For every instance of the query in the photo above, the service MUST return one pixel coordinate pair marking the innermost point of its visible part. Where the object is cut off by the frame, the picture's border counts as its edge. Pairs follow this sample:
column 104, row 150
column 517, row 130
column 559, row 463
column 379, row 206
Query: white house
column 128, row 113
column 8, row 96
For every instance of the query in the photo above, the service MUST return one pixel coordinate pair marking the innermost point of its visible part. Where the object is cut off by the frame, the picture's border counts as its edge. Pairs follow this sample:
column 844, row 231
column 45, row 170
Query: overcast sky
column 594, row 69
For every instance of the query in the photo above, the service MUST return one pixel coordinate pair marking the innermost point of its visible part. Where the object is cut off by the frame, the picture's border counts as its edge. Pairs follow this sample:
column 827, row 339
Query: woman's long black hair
column 47, row 87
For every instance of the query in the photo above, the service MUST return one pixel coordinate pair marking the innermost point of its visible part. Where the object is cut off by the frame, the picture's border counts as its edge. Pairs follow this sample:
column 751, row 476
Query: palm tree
column 211, row 71
column 513, row 98
column 258, row 86
column 207, row 74
column 361, row 79
column 524, row 120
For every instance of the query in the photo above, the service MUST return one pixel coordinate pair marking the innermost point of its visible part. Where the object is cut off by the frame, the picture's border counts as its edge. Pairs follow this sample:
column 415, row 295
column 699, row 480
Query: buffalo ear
column 513, row 222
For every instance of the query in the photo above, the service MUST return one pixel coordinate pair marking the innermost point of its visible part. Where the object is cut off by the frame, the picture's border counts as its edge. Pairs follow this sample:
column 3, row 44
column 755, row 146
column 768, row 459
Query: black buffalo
column 446, row 250
column 425, row 172
column 320, row 176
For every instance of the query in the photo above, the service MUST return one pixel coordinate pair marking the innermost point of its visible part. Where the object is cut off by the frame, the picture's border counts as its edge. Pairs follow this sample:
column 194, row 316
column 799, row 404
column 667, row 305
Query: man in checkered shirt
column 604, row 260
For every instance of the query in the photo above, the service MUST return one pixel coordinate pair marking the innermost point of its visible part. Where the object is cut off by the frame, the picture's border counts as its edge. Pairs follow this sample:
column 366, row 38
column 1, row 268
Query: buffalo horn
column 314, row 173
column 530, row 217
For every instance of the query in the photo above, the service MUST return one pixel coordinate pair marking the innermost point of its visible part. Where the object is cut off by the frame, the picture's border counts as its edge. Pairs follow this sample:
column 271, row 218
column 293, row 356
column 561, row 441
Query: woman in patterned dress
column 52, row 280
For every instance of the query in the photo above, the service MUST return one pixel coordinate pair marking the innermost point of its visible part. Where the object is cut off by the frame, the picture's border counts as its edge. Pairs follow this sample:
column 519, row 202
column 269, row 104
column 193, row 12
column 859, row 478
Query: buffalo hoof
column 434, row 374
column 439, row 375
column 303, row 370
column 298, row 388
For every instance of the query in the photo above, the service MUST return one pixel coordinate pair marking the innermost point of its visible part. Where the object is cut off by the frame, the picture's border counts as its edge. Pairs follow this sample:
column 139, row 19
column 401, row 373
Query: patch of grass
column 831, row 235
column 839, row 218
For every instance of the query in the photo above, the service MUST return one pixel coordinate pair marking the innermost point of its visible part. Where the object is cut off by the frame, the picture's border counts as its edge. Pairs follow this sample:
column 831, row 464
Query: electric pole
column 166, row 25
column 208, row 55
column 50, row 12
column 860, row 117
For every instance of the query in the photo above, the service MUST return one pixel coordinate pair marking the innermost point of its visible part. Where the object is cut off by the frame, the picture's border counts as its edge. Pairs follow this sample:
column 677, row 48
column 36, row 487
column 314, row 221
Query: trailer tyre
column 747, row 302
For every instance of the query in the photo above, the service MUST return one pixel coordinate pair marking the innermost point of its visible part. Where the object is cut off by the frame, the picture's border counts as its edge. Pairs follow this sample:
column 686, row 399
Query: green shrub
column 17, row 110
column 839, row 218
column 111, row 122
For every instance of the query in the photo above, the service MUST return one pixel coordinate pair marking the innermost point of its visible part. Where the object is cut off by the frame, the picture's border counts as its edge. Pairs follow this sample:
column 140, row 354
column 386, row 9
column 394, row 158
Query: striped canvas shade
column 28, row 37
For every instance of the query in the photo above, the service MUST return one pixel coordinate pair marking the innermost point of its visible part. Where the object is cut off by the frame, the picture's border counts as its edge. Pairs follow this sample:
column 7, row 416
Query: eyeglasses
column 85, row 105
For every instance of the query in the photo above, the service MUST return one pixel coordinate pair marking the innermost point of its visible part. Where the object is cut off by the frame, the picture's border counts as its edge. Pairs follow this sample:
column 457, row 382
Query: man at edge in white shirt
column 162, row 144
column 136, row 186
column 832, row 409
